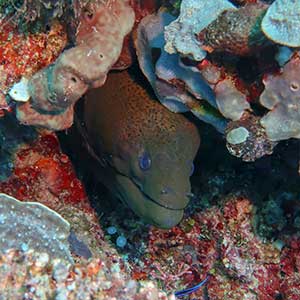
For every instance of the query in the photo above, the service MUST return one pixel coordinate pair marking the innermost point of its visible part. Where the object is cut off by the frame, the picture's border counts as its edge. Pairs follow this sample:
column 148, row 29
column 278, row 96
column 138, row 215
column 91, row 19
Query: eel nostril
column 190, row 195
column 166, row 190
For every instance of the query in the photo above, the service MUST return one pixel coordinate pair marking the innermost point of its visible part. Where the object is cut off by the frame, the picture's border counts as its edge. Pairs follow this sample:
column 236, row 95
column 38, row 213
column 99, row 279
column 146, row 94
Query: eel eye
column 192, row 169
column 145, row 161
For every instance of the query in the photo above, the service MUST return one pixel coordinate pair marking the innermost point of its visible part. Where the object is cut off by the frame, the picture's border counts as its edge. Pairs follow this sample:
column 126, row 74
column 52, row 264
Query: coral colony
column 106, row 191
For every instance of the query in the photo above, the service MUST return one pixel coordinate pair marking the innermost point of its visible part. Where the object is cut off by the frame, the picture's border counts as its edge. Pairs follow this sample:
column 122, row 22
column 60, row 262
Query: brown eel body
column 147, row 150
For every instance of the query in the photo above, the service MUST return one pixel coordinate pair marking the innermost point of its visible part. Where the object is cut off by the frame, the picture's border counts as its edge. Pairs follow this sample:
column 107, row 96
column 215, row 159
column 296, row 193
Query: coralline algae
column 32, row 225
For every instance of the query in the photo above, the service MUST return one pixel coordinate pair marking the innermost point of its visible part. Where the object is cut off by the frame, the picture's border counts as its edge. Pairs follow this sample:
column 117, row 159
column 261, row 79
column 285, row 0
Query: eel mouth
column 149, row 209
column 147, row 197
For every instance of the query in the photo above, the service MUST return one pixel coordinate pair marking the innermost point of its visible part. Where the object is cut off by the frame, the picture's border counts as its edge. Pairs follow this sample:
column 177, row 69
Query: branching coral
column 99, row 40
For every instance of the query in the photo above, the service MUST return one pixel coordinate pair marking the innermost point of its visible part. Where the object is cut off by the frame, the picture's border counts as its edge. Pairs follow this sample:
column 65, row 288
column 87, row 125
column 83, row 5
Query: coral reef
column 33, row 275
column 23, row 12
column 32, row 225
column 246, row 138
column 232, row 64
column 41, row 172
column 282, row 97
column 281, row 22
column 194, row 16
column 220, row 241
column 55, row 89
column 235, row 31
column 24, row 54
column 179, row 87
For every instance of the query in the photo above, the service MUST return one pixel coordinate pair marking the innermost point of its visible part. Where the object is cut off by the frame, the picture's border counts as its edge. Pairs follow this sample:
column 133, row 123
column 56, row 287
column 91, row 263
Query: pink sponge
column 55, row 89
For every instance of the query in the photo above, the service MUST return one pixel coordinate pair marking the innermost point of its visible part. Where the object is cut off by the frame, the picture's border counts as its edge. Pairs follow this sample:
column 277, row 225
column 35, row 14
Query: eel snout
column 153, row 211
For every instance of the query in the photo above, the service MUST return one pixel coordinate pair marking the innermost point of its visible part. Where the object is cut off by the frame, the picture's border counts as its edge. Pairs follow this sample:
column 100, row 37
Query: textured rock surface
column 194, row 16
column 32, row 275
column 281, row 23
column 235, row 31
column 32, row 225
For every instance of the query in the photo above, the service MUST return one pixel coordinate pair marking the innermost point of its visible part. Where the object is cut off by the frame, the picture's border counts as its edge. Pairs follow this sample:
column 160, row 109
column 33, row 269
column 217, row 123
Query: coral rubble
column 32, row 275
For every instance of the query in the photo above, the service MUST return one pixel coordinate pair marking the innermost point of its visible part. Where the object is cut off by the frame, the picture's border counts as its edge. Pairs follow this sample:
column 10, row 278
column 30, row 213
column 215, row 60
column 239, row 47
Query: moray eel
column 146, row 150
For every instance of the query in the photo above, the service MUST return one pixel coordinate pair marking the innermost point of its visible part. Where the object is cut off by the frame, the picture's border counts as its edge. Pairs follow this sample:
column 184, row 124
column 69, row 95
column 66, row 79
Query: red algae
column 221, row 242
column 24, row 54
column 42, row 167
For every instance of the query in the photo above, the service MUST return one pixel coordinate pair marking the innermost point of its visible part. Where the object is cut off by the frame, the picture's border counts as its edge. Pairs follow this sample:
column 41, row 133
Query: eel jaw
column 144, row 206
